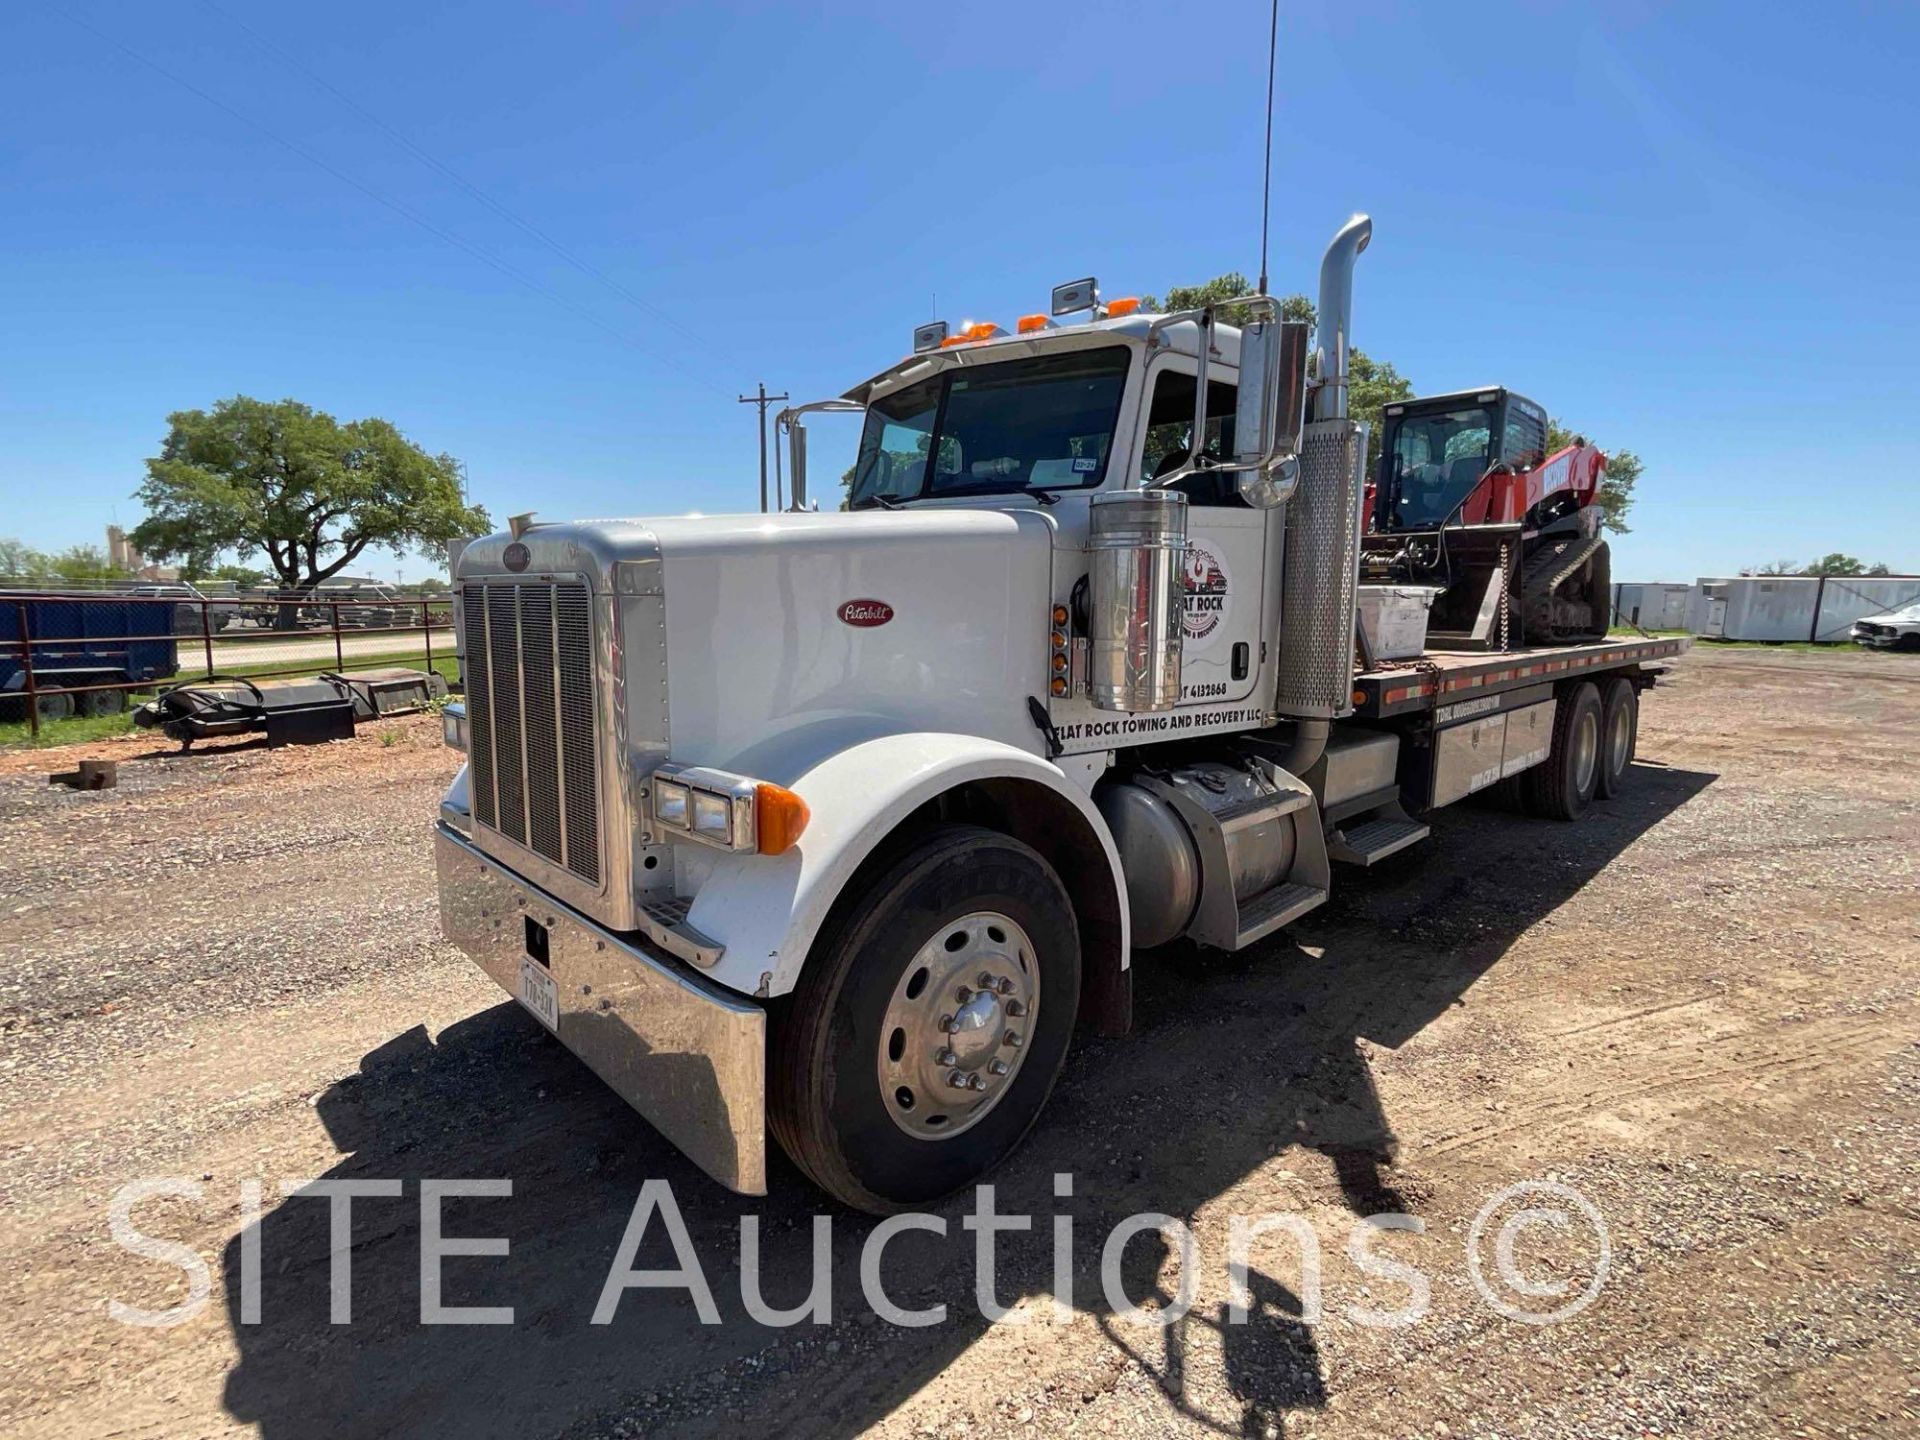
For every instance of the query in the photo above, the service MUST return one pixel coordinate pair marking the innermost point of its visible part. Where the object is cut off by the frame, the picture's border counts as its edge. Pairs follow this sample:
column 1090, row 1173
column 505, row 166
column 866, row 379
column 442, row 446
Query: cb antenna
column 1266, row 172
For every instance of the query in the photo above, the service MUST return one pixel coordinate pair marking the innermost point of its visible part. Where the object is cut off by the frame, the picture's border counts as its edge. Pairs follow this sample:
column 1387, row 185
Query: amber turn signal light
column 779, row 817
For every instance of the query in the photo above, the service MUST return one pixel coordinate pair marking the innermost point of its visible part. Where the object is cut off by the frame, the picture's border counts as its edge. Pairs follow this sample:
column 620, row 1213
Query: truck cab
column 1050, row 417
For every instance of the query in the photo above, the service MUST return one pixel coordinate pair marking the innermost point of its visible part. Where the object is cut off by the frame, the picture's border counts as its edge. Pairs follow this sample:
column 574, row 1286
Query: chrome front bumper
column 687, row 1055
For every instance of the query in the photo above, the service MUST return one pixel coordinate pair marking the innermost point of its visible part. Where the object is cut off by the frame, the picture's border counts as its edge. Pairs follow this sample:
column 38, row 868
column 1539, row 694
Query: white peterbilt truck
column 836, row 825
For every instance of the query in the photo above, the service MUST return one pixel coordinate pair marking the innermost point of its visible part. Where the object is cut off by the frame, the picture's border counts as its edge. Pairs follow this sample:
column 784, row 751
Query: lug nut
column 999, row 1067
column 1016, row 1009
column 957, row 1080
column 963, row 994
column 946, row 1057
column 947, row 1024
column 986, row 980
column 1006, row 986
column 974, row 1082
column 1012, row 1038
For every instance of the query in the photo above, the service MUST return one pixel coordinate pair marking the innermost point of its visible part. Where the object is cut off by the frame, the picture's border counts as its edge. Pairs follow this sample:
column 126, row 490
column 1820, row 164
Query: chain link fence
column 96, row 653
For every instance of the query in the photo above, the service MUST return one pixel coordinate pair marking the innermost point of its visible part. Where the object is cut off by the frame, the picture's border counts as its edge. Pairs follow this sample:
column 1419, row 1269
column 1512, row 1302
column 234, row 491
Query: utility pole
column 763, row 400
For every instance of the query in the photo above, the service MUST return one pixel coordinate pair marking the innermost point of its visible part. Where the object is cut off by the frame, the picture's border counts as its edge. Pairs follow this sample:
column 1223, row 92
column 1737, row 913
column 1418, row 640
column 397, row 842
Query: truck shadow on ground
column 1234, row 1060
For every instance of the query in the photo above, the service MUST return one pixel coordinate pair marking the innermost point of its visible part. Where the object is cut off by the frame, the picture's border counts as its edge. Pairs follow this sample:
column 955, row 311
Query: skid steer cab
column 1465, row 497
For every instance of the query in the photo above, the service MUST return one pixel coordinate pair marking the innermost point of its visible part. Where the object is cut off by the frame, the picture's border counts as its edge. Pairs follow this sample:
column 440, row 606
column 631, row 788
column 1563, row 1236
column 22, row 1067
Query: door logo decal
column 865, row 614
column 1208, row 597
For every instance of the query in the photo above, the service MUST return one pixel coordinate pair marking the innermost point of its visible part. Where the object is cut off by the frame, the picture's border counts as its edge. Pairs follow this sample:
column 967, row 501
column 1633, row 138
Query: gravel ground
column 1697, row 1008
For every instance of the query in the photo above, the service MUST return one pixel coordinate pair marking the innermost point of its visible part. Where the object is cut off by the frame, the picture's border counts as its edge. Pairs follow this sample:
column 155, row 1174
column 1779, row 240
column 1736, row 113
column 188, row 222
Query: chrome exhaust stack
column 1322, row 564
column 1336, row 316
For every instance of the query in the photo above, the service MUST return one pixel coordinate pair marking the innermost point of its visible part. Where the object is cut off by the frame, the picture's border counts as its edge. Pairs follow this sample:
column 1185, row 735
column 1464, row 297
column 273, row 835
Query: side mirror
column 1270, row 409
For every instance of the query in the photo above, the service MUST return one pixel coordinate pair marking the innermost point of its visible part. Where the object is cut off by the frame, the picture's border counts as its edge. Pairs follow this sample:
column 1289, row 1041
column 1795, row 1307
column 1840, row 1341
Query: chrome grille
column 529, row 673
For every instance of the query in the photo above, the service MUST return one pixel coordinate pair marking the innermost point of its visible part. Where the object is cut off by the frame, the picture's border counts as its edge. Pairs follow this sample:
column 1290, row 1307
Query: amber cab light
column 779, row 818
column 1125, row 306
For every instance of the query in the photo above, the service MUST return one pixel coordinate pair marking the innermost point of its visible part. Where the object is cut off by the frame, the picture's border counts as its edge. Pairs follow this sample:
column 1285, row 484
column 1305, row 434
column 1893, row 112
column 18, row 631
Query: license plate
column 539, row 993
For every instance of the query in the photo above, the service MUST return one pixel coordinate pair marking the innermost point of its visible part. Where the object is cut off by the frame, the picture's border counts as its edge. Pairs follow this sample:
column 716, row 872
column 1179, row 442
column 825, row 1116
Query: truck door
column 1226, row 556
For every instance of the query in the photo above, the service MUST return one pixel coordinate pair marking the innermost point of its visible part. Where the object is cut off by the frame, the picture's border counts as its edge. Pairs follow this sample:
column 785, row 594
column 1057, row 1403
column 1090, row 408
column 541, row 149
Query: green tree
column 293, row 483
column 19, row 558
column 1372, row 385
column 84, row 562
column 1836, row 563
column 243, row 577
column 1616, row 484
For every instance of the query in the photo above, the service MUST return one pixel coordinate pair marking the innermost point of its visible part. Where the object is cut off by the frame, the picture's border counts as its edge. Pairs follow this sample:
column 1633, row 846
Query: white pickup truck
column 836, row 825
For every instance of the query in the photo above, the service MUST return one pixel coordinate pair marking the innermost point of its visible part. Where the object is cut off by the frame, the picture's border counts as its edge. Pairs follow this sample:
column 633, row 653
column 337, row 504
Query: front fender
column 766, row 910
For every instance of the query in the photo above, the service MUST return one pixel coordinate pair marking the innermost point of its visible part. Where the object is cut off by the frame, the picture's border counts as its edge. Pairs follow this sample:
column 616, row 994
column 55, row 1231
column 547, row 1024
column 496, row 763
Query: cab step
column 1270, row 909
column 1375, row 839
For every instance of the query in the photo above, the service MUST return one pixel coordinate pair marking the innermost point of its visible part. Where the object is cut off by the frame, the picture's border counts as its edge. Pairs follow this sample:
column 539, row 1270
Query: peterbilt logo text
column 866, row 613
column 516, row 557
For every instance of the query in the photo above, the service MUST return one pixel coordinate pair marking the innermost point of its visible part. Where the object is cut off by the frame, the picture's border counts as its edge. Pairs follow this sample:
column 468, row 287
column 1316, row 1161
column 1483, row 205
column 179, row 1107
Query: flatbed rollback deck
column 1456, row 714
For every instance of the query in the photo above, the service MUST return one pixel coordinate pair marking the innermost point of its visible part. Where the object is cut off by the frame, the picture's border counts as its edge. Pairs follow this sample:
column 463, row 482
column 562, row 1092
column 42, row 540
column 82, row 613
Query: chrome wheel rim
column 956, row 1030
column 1586, row 750
column 1617, row 734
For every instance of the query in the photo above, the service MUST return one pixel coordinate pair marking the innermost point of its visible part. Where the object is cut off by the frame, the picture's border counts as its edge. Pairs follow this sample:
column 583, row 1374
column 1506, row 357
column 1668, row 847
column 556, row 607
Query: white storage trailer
column 1816, row 608
column 1652, row 606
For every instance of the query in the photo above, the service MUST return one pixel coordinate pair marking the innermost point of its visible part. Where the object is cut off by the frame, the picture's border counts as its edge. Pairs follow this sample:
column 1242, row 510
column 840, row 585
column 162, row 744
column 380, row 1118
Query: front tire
column 1563, row 785
column 930, row 1023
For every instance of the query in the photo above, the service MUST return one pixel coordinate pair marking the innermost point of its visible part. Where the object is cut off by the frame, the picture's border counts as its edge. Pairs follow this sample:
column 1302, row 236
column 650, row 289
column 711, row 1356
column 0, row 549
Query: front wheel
column 930, row 1024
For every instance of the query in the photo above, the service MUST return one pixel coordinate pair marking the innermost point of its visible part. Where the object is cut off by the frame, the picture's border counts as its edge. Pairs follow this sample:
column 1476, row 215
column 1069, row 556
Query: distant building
column 122, row 555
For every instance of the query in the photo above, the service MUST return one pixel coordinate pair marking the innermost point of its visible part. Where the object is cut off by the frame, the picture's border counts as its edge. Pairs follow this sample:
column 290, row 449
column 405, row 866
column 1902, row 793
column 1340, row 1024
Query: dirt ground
column 1699, row 1008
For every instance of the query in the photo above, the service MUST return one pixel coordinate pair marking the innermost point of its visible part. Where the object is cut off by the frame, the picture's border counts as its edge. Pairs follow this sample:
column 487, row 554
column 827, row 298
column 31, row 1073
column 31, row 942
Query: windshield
column 1038, row 424
column 1437, row 460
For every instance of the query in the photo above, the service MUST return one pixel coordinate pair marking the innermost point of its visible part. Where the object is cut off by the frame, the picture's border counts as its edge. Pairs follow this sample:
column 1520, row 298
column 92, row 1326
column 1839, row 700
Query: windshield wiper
column 1045, row 497
column 885, row 502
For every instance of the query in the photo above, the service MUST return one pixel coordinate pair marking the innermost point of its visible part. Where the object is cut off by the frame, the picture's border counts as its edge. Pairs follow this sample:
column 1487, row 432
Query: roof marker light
column 1125, row 306
column 1031, row 323
column 971, row 333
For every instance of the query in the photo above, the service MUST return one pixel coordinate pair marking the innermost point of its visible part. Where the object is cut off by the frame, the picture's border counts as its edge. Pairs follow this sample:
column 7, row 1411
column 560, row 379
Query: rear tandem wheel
column 1563, row 785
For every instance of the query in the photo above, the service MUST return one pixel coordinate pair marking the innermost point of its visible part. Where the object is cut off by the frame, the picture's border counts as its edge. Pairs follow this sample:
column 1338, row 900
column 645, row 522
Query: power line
column 433, row 163
column 379, row 198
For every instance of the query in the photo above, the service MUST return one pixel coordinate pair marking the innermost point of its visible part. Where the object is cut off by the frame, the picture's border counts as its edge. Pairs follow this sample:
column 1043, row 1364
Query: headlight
column 670, row 804
column 713, row 817
column 453, row 725
column 730, row 812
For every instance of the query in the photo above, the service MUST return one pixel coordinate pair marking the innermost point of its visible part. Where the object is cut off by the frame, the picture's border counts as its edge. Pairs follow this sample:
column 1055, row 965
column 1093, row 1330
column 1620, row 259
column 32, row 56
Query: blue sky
column 1687, row 229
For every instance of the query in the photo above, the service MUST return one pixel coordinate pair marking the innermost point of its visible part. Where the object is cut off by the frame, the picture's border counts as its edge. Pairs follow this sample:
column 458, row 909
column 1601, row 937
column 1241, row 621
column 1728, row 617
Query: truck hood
column 593, row 547
column 779, row 630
